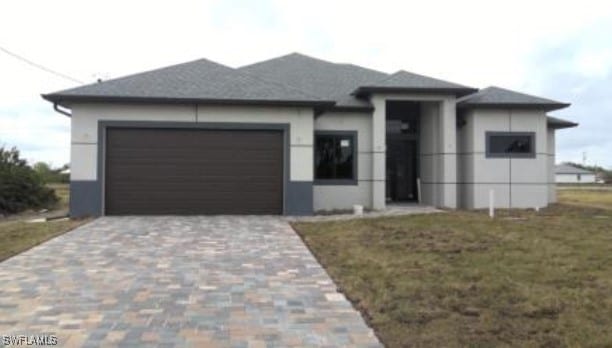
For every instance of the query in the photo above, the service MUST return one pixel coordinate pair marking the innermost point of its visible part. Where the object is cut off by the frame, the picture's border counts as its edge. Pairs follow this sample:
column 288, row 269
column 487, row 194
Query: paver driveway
column 177, row 281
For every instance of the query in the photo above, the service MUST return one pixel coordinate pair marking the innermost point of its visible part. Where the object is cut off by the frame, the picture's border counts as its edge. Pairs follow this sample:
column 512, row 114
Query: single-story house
column 568, row 174
column 295, row 135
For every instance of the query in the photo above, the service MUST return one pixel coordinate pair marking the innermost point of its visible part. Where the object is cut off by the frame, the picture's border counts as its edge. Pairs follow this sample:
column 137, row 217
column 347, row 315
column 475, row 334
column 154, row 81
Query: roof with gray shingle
column 325, row 79
column 200, row 80
column 500, row 97
column 558, row 123
column 569, row 169
column 345, row 83
column 293, row 79
column 405, row 81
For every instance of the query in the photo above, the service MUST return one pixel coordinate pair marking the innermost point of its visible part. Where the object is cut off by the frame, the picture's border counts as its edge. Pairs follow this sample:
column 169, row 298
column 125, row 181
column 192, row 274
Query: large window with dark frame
column 510, row 144
column 335, row 157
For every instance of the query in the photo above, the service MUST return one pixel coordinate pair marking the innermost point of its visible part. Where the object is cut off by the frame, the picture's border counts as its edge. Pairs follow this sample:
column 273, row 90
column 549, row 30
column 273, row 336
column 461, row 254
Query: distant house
column 568, row 174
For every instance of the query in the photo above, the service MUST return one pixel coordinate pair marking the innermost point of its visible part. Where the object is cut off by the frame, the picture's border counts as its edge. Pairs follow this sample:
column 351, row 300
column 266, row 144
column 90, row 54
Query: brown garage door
column 186, row 171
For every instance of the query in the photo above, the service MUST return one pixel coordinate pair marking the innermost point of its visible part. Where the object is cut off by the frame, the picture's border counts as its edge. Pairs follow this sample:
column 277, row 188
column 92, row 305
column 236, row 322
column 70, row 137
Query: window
column 511, row 144
column 335, row 157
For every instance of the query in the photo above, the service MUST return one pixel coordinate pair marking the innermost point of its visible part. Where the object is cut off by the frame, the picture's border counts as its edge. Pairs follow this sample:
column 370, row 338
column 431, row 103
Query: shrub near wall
column 21, row 187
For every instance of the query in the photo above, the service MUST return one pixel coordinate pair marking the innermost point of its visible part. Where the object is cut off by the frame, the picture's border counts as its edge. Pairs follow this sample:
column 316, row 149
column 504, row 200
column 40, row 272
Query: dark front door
column 402, row 170
column 193, row 171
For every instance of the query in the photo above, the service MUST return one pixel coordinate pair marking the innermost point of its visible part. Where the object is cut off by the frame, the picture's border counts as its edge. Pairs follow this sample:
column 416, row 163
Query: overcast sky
column 548, row 48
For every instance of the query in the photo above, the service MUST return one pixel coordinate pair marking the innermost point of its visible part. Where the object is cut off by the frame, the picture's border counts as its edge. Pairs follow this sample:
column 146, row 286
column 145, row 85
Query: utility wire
column 36, row 65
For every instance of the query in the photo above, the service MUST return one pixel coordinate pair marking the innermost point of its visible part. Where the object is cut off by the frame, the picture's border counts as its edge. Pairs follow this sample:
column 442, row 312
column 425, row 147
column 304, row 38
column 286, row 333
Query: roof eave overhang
column 561, row 125
column 344, row 108
column 527, row 106
column 369, row 90
column 68, row 99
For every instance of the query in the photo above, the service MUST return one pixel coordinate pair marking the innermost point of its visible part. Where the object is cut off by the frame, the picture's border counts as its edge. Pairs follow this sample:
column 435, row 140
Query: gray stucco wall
column 552, row 187
column 454, row 169
column 516, row 182
column 429, row 150
column 343, row 197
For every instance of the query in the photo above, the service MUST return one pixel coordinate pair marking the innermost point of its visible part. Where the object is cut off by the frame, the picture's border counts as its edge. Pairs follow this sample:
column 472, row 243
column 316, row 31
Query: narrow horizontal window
column 335, row 157
column 510, row 144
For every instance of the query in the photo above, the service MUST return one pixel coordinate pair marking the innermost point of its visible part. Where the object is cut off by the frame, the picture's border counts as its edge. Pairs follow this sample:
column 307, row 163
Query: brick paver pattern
column 220, row 281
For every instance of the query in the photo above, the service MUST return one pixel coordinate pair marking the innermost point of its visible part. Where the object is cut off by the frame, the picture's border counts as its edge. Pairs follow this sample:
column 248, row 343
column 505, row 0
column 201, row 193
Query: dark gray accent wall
column 298, row 198
column 85, row 198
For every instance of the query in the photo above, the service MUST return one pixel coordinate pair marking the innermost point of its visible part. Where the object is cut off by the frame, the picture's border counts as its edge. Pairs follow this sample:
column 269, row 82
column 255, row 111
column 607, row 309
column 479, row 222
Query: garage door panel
column 203, row 168
column 162, row 171
column 193, row 179
column 216, row 139
column 177, row 190
column 176, row 155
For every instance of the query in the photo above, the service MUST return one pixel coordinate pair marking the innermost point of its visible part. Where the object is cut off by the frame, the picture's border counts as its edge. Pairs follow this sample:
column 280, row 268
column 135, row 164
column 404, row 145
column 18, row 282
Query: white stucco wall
column 574, row 179
column 343, row 197
column 517, row 182
column 85, row 117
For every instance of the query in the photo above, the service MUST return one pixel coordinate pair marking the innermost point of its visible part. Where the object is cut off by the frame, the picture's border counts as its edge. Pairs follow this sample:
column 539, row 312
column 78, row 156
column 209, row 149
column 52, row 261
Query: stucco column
column 379, row 148
column 448, row 154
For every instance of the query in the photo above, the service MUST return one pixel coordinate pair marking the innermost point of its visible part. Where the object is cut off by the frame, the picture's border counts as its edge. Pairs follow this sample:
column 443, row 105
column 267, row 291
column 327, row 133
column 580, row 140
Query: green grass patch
column 586, row 197
column 18, row 235
column 461, row 279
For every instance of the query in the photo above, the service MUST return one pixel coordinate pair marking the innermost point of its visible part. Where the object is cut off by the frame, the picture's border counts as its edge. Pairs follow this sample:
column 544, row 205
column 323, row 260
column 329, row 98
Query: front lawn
column 461, row 279
column 18, row 235
column 586, row 197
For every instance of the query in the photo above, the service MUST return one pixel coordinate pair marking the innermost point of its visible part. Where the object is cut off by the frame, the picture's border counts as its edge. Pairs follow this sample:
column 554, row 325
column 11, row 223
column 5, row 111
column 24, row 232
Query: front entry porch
column 402, row 155
column 414, row 150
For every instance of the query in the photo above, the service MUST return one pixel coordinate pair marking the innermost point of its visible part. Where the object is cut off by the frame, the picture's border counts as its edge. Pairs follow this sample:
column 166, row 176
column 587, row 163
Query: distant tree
column 44, row 171
column 50, row 175
column 21, row 187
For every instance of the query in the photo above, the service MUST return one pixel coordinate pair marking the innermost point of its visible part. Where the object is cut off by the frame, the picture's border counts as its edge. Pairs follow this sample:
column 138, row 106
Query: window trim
column 490, row 134
column 339, row 182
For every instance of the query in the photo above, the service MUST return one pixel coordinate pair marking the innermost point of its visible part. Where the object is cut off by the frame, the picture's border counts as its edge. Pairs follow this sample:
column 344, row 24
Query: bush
column 21, row 187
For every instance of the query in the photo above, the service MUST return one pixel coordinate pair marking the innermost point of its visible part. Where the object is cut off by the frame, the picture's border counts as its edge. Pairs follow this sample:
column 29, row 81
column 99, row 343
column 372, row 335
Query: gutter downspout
column 57, row 108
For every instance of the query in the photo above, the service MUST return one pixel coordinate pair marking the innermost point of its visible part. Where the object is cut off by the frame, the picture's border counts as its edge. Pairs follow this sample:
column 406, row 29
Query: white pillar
column 379, row 147
column 448, row 153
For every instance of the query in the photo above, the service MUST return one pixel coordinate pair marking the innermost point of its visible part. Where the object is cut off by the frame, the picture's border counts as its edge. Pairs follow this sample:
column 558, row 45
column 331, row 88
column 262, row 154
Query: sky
column 556, row 49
